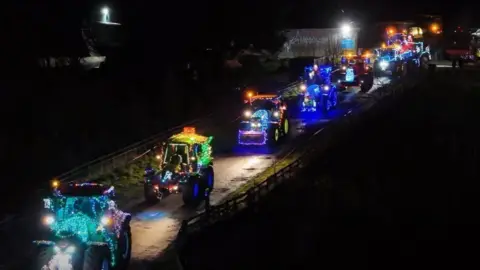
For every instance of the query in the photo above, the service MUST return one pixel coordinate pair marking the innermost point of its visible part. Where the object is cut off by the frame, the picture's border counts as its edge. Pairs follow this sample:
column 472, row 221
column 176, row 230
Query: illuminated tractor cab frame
column 264, row 121
column 82, row 228
column 355, row 72
column 186, row 167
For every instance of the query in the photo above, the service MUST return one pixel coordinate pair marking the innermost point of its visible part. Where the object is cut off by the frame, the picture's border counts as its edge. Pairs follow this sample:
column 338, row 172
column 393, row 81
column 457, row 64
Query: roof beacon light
column 189, row 130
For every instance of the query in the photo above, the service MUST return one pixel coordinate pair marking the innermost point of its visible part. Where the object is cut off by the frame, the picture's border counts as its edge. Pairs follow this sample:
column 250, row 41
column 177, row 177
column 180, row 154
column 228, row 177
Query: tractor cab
column 183, row 150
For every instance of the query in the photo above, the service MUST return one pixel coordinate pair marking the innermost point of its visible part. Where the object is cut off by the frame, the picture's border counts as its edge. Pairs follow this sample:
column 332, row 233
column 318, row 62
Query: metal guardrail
column 313, row 147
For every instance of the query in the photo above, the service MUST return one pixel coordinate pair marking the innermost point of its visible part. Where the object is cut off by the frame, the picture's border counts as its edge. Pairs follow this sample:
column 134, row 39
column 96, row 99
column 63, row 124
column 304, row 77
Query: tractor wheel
column 209, row 179
column 43, row 255
column 97, row 258
column 286, row 126
column 124, row 251
column 193, row 192
column 151, row 195
column 424, row 62
column 326, row 104
column 273, row 136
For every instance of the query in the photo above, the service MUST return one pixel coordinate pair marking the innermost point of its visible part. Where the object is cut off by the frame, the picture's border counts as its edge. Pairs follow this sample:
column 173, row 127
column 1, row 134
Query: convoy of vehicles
column 265, row 121
column 186, row 167
column 318, row 92
column 83, row 229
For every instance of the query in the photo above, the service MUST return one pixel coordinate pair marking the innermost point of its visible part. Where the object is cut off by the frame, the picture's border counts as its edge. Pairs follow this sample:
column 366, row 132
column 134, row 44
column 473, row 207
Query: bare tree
column 333, row 47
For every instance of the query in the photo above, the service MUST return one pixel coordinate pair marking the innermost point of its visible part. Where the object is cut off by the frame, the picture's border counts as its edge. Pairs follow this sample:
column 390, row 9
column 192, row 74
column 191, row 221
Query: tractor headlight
column 48, row 220
column 276, row 114
column 326, row 87
column 383, row 65
column 344, row 67
column 106, row 221
column 247, row 113
column 303, row 87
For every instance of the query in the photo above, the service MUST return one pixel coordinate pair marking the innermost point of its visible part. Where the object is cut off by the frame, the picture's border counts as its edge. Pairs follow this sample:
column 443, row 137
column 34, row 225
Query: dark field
column 401, row 192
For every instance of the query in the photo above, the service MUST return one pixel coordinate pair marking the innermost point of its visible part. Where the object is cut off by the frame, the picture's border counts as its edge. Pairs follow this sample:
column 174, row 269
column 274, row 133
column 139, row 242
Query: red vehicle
column 354, row 72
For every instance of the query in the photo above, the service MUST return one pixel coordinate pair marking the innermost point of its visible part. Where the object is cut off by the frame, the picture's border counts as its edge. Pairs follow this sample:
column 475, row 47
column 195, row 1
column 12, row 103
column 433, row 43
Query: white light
column 276, row 114
column 105, row 11
column 326, row 88
column 383, row 65
column 247, row 113
column 303, row 87
column 70, row 249
column 346, row 29
column 48, row 220
column 344, row 67
column 105, row 220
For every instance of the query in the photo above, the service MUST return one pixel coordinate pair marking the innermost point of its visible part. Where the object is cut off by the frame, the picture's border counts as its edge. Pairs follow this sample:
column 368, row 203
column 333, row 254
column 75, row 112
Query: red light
column 189, row 130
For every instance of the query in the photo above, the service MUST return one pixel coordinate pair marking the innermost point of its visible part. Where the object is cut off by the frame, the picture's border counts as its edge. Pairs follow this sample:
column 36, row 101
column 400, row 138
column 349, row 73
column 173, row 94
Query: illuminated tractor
column 400, row 53
column 318, row 93
column 186, row 167
column 355, row 71
column 82, row 229
column 265, row 121
column 389, row 62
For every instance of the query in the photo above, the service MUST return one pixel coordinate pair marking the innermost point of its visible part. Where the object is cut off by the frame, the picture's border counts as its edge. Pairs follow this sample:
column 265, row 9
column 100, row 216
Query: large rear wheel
column 42, row 257
column 209, row 179
column 193, row 192
column 124, row 250
column 96, row 258
column 326, row 104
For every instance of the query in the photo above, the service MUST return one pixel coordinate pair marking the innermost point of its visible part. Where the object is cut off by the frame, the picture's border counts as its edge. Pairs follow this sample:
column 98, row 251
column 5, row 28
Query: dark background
column 53, row 122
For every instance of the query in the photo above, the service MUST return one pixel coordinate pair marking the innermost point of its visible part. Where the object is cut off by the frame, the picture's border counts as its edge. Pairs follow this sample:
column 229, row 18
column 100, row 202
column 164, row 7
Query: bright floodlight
column 106, row 15
column 346, row 29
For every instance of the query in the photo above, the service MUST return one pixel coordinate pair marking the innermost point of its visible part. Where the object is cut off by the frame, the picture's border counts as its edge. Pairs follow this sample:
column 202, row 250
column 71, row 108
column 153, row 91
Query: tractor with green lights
column 83, row 229
column 186, row 167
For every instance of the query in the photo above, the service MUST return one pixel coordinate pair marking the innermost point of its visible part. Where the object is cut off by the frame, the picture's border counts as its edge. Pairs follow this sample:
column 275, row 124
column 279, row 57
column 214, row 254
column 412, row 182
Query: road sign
column 348, row 44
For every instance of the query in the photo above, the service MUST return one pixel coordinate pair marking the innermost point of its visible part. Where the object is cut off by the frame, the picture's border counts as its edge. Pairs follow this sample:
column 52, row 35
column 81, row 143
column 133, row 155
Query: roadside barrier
column 312, row 148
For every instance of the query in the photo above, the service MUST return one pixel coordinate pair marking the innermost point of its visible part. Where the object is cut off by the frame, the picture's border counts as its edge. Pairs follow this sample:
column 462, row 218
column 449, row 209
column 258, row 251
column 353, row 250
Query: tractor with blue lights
column 400, row 53
column 83, row 229
column 318, row 93
column 354, row 71
column 265, row 121
column 186, row 167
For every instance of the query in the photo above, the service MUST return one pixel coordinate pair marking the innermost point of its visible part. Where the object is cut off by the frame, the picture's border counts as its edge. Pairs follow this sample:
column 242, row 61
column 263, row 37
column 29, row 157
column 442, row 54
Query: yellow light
column 106, row 221
column 384, row 45
column 349, row 55
column 157, row 156
column 250, row 94
column 55, row 183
